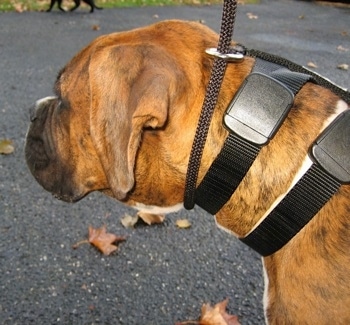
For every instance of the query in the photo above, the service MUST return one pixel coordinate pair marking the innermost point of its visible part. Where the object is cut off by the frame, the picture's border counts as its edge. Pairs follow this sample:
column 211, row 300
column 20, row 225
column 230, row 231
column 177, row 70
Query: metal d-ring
column 229, row 57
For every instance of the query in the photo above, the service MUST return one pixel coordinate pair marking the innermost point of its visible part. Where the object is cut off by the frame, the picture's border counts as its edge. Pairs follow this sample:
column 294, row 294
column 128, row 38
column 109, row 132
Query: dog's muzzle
column 37, row 149
column 42, row 152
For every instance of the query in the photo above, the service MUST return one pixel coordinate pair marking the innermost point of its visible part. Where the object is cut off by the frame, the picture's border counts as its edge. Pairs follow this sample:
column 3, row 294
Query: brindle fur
column 123, row 123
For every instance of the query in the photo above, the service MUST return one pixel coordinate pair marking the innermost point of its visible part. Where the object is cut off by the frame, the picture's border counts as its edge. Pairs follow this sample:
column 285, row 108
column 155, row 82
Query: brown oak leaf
column 103, row 240
column 217, row 315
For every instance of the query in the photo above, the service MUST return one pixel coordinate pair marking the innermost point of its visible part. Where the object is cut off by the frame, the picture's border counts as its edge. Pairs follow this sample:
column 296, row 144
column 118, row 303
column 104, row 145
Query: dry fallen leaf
column 217, row 315
column 252, row 16
column 19, row 7
column 151, row 218
column 95, row 27
column 183, row 223
column 343, row 66
column 129, row 221
column 103, row 240
column 6, row 147
column 342, row 48
column 311, row 65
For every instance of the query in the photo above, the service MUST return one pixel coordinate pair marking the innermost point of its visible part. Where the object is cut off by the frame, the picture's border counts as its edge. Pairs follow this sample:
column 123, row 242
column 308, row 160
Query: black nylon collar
column 309, row 195
column 238, row 152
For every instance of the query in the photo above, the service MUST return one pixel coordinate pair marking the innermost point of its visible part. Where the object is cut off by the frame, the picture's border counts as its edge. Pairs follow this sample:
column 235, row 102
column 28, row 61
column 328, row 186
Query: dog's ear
column 130, row 87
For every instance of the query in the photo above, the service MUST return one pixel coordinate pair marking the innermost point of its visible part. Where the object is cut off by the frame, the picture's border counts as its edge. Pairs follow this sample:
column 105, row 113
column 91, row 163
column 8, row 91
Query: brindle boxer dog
column 122, row 122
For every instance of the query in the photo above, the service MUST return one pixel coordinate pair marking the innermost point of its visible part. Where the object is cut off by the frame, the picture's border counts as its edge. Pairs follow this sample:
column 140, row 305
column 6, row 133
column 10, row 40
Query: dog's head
column 108, row 101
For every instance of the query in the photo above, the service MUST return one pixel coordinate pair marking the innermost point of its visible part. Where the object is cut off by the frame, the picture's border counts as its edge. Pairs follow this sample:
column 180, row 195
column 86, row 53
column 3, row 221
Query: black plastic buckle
column 259, row 108
column 331, row 150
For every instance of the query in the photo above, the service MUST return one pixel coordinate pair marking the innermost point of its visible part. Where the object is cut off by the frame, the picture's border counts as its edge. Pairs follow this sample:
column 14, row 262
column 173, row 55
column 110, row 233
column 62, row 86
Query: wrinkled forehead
column 72, row 81
column 75, row 72
column 57, row 84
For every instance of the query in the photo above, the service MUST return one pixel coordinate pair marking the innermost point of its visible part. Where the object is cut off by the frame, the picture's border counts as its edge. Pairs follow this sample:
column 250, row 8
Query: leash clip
column 259, row 108
column 331, row 150
column 229, row 57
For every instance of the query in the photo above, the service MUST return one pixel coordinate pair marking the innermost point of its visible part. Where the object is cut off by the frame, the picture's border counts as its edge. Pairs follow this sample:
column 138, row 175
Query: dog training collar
column 253, row 117
column 330, row 169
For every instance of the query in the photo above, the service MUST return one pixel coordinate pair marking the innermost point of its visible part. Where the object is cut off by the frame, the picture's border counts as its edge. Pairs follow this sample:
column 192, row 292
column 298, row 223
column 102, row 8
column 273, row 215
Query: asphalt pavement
column 161, row 274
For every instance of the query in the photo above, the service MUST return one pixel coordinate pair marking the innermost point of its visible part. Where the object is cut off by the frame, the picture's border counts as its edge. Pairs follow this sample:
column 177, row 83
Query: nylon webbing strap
column 293, row 80
column 297, row 208
column 225, row 173
column 330, row 169
column 318, row 79
column 238, row 154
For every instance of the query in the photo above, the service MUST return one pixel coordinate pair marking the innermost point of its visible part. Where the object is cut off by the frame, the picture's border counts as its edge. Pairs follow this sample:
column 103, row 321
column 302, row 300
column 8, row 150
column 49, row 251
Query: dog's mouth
column 69, row 198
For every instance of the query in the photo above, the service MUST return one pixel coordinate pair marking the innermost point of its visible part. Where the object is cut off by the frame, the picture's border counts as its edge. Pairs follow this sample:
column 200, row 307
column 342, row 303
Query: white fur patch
column 157, row 210
column 266, row 292
column 40, row 101
column 302, row 170
column 342, row 106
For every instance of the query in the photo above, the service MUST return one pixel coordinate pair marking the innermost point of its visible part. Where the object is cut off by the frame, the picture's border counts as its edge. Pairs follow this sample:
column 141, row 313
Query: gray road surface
column 160, row 274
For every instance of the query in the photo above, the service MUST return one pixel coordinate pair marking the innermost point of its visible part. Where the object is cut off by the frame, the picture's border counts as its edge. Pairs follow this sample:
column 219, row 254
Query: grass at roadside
column 41, row 5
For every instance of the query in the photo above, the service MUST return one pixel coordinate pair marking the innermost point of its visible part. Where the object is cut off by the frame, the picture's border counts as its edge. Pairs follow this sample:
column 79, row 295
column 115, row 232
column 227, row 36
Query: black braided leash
column 213, row 88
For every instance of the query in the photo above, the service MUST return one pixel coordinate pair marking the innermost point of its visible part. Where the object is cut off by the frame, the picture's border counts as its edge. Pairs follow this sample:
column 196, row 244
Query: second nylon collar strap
column 330, row 169
column 253, row 117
